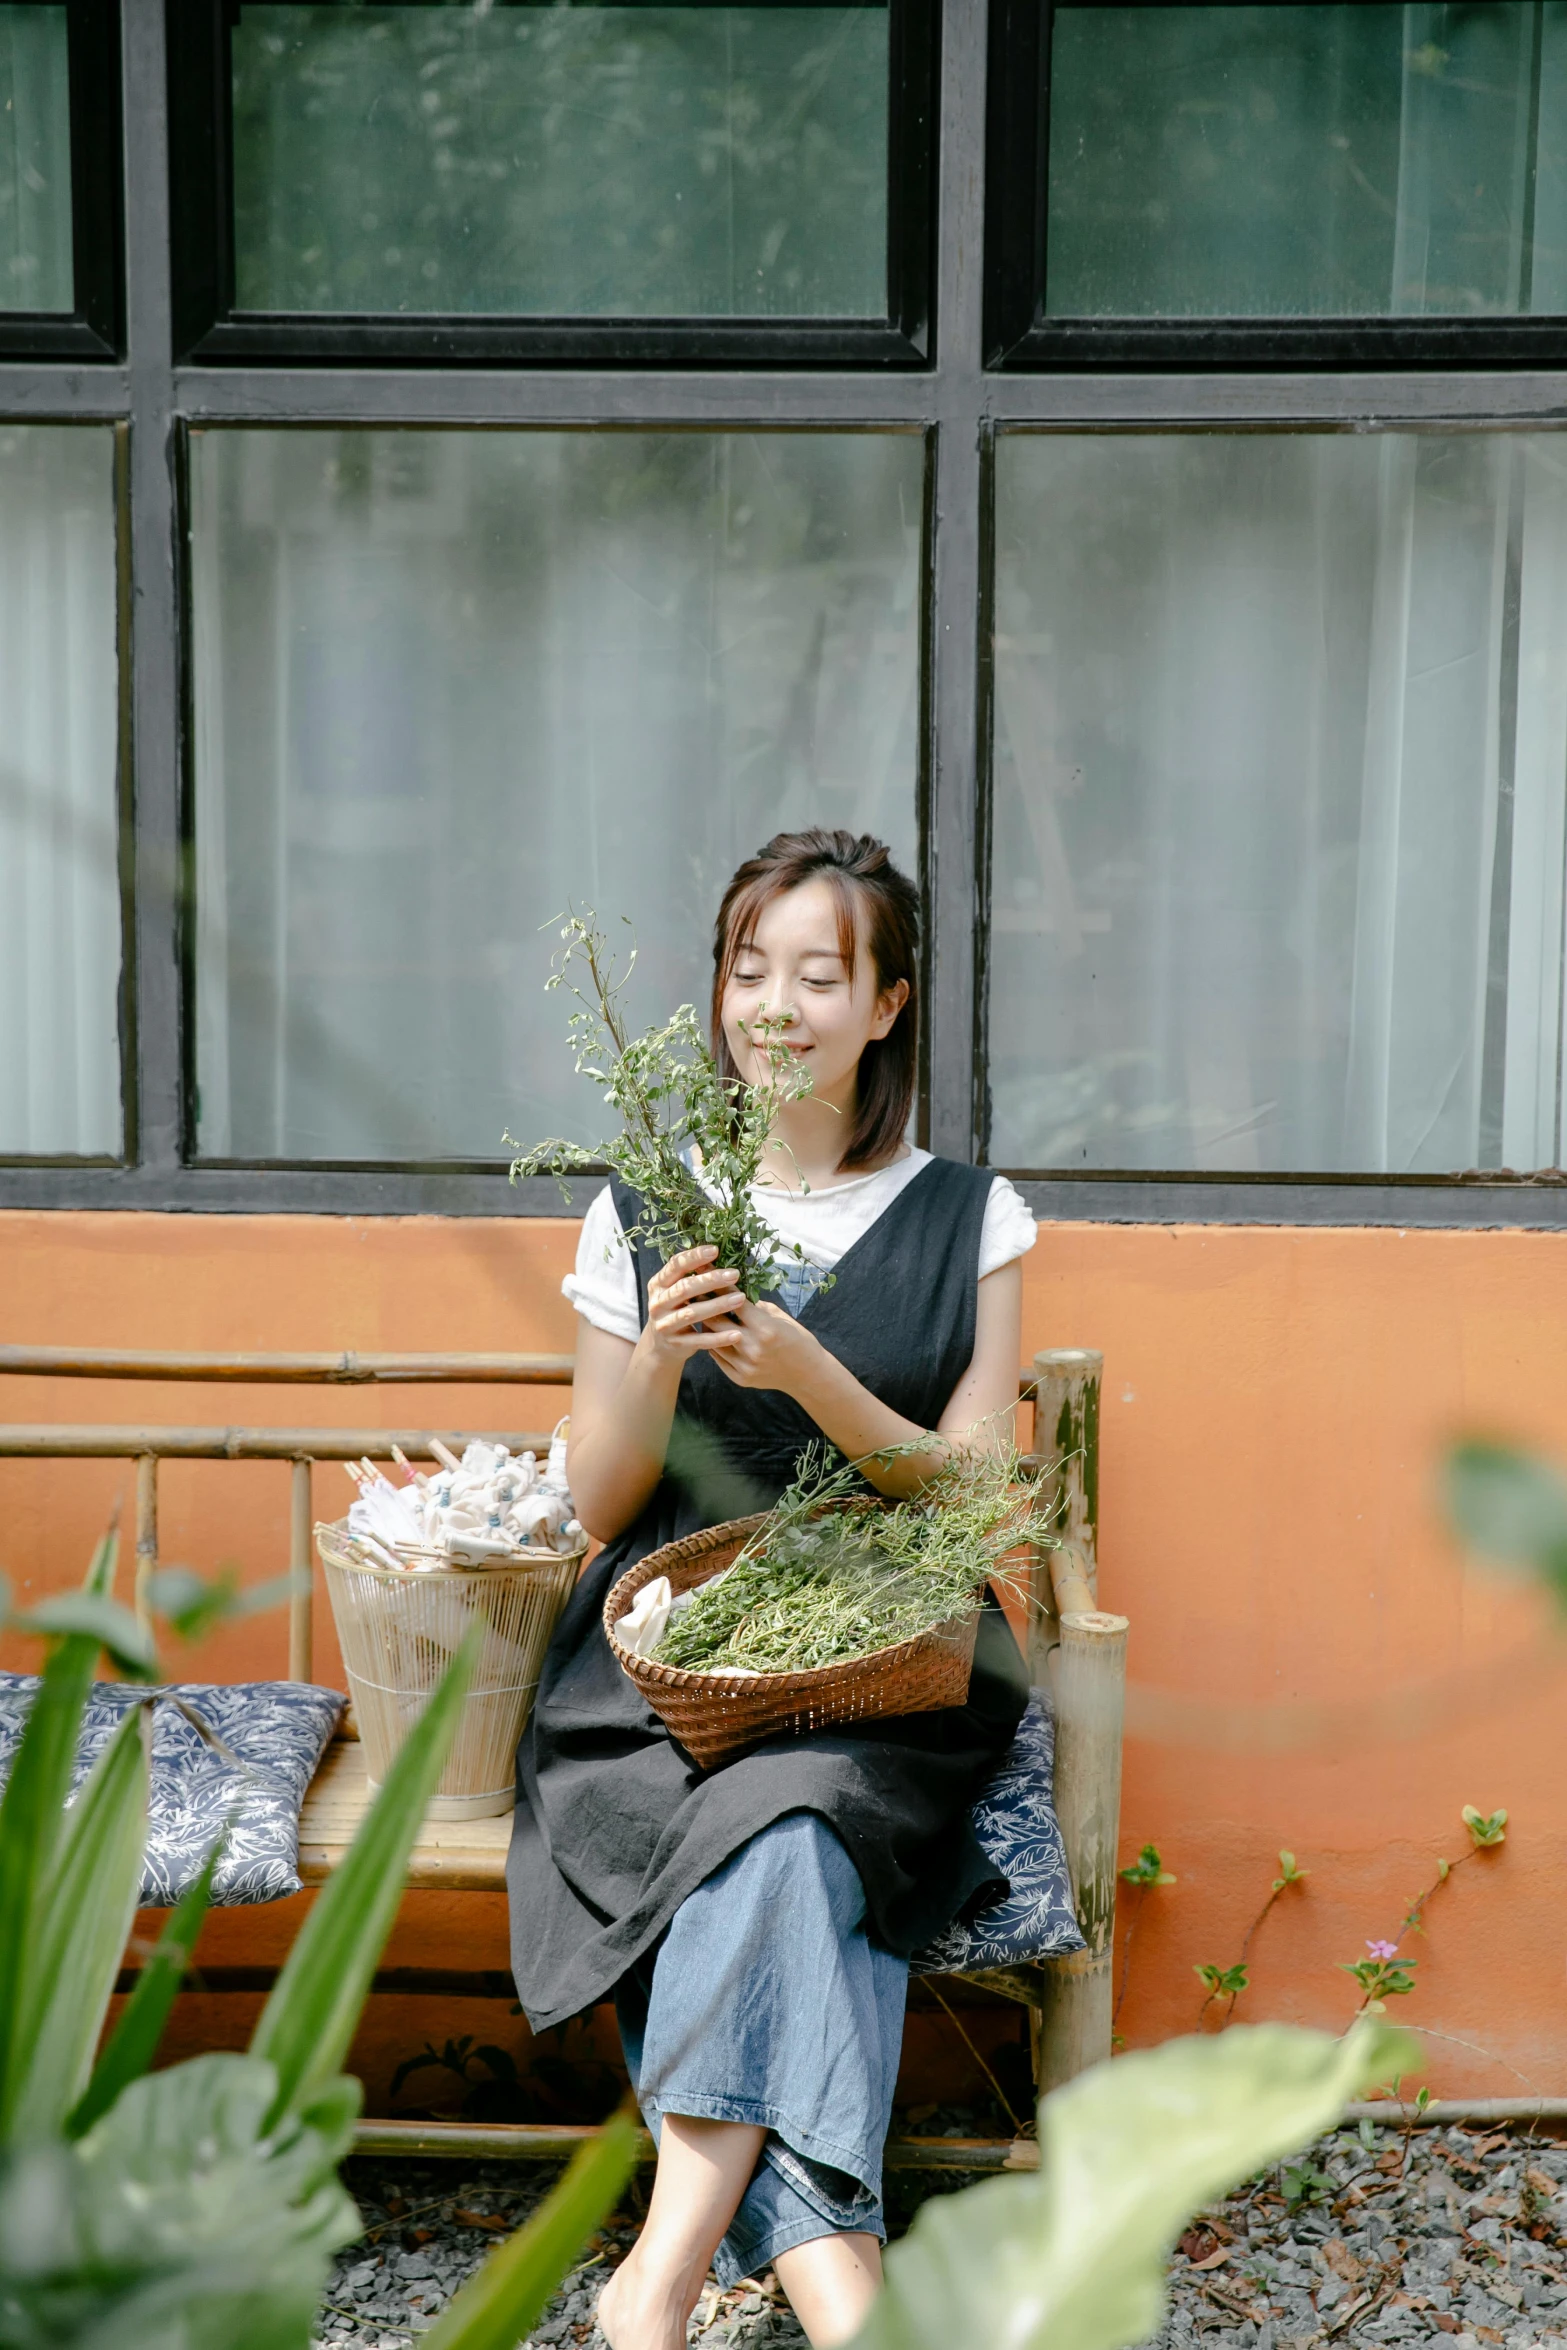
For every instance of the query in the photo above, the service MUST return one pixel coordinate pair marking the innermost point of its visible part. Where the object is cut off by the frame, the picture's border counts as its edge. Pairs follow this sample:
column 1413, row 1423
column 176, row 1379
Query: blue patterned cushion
column 277, row 1730
column 1015, row 1821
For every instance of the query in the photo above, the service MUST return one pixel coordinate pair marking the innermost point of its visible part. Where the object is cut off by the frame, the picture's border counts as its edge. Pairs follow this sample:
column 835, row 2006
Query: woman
column 755, row 1922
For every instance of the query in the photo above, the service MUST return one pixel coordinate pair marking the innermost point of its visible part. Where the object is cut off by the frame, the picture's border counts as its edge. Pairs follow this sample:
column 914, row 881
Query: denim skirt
column 767, row 2002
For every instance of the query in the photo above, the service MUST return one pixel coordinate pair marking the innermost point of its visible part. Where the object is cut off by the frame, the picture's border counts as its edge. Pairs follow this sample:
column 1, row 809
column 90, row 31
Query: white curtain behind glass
column 1281, row 767
column 446, row 681
column 59, row 885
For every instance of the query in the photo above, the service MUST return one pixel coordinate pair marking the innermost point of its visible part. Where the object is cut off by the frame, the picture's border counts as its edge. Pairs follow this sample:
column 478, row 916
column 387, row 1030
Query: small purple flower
column 1383, row 1949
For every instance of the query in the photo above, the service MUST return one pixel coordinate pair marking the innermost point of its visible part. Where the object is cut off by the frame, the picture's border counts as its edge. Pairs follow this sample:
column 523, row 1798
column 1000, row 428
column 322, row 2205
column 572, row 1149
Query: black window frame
column 1019, row 335
column 158, row 395
column 252, row 1164
column 94, row 328
column 209, row 331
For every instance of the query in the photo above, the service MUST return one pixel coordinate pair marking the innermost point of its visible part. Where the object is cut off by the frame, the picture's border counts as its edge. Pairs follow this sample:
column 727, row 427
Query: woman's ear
column 888, row 1005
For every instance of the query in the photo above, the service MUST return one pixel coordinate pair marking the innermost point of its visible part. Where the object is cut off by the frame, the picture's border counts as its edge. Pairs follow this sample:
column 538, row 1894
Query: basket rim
column 532, row 1561
column 681, row 1677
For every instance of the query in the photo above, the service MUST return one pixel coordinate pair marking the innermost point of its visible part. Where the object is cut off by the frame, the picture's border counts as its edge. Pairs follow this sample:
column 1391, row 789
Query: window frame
column 1019, row 335
column 209, row 331
column 155, row 397
column 192, row 1156
column 94, row 328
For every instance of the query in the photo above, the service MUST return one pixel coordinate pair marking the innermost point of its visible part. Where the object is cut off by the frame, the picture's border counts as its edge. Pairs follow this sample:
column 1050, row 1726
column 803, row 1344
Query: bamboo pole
column 550, row 2142
column 1066, row 1440
column 301, row 1567
column 1089, row 1691
column 114, row 1442
column 320, row 1370
column 146, row 1533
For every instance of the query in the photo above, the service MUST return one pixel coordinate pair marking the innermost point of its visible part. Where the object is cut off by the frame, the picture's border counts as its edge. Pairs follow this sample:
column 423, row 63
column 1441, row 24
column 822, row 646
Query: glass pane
column 35, row 161
column 635, row 162
column 1281, row 802
column 59, row 832
column 1308, row 161
column 446, row 681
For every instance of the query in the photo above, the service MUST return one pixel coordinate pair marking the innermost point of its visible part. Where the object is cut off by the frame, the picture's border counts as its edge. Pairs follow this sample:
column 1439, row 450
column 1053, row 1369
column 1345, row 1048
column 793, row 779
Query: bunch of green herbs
column 832, row 1574
column 667, row 1092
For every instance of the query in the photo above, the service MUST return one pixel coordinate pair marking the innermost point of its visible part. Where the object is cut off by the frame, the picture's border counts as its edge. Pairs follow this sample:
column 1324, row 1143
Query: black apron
column 615, row 1824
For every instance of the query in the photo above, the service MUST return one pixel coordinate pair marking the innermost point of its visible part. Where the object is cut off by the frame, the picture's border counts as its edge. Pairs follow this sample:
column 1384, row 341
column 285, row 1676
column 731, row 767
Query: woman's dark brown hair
column 862, row 875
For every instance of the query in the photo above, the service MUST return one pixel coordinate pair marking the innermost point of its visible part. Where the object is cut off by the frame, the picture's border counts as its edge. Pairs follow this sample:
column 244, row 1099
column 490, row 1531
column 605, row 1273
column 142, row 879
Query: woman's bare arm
column 623, row 1399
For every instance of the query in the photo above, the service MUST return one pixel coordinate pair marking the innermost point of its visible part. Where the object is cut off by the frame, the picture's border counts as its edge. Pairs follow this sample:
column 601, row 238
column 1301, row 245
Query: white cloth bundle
column 471, row 1512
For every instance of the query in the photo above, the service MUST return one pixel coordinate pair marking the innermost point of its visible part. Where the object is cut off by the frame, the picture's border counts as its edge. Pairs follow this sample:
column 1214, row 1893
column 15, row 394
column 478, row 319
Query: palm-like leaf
column 82, row 1922
column 498, row 2305
column 32, row 1818
column 306, row 2026
column 133, row 2043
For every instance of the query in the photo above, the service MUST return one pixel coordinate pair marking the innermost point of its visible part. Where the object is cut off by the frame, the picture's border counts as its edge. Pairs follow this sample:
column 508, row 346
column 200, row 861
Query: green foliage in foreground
column 1072, row 2257
column 198, row 2208
column 1509, row 1506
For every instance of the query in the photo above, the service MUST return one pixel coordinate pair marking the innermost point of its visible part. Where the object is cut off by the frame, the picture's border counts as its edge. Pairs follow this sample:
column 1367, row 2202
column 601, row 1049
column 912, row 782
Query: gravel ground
column 1460, row 2238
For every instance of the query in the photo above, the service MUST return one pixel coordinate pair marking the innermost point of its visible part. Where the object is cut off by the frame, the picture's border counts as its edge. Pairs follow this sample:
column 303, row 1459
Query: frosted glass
column 637, row 162
column 1280, row 789
column 445, row 681
column 59, row 835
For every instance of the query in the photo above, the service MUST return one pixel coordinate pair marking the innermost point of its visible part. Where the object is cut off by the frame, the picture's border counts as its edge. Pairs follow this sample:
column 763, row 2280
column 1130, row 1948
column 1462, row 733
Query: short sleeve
column 604, row 1286
column 1008, row 1230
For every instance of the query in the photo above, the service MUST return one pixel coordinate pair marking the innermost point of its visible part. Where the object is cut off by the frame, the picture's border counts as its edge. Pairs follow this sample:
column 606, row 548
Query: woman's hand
column 689, row 1291
column 770, row 1349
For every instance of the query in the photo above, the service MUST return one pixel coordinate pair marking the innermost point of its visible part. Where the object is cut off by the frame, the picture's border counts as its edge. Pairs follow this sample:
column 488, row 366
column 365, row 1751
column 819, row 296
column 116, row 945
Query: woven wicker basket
column 717, row 1715
column 397, row 1632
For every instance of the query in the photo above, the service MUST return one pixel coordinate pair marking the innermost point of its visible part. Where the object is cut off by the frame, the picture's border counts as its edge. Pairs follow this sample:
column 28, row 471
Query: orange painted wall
column 1311, row 1664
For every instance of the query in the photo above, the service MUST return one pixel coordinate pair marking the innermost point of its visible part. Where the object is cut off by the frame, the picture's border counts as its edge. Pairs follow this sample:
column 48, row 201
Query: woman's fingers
column 710, row 1281
column 684, row 1317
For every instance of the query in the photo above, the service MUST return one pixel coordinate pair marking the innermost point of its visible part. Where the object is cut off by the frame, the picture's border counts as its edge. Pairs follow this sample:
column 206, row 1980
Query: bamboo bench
column 1076, row 1648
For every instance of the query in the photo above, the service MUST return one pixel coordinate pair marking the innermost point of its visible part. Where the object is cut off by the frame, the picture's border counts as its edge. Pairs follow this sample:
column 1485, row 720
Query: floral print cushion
column 1015, row 1821
column 276, row 1732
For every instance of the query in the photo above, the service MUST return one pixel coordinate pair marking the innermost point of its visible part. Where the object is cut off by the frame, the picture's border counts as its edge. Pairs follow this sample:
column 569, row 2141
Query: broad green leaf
column 1072, row 2257
column 1510, row 1507
column 82, row 1921
column 498, row 2305
column 180, row 2222
column 32, row 1810
column 103, row 1621
column 306, row 2026
column 133, row 2043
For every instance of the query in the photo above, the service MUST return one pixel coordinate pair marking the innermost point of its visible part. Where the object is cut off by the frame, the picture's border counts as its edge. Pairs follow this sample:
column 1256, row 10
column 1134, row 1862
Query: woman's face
column 790, row 969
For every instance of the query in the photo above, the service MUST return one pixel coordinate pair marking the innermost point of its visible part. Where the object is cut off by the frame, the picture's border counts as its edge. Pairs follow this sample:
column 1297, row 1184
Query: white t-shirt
column 824, row 1223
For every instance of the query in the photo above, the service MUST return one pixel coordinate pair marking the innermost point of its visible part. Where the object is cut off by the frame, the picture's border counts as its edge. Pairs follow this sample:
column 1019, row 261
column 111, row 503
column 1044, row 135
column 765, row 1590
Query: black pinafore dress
column 615, row 1825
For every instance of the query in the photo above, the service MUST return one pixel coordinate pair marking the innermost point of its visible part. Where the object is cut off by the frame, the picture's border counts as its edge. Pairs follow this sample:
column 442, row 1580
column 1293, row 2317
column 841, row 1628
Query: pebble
column 1456, row 2238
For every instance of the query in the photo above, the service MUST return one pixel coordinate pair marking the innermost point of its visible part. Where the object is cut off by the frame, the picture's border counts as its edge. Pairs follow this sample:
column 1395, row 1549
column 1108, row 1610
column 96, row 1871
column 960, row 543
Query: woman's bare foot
column 637, row 2312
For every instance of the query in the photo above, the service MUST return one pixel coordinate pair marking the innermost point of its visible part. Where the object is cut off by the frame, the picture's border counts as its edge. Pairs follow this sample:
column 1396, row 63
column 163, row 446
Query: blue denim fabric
column 769, row 2004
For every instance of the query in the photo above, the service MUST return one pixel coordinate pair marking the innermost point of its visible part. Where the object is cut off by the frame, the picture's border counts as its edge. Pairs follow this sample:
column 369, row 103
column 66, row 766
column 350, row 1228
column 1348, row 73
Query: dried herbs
column 828, row 1577
column 666, row 1089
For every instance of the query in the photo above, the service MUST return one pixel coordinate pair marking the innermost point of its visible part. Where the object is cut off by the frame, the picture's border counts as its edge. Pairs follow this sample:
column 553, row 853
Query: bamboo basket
column 398, row 1632
column 715, row 1716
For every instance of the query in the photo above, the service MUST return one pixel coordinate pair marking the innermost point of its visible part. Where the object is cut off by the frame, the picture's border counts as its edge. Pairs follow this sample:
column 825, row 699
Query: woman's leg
column 831, row 2283
column 767, row 2011
column 703, row 2170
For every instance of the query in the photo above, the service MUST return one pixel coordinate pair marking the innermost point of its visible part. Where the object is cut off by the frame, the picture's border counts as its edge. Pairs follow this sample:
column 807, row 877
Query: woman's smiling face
column 791, row 967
